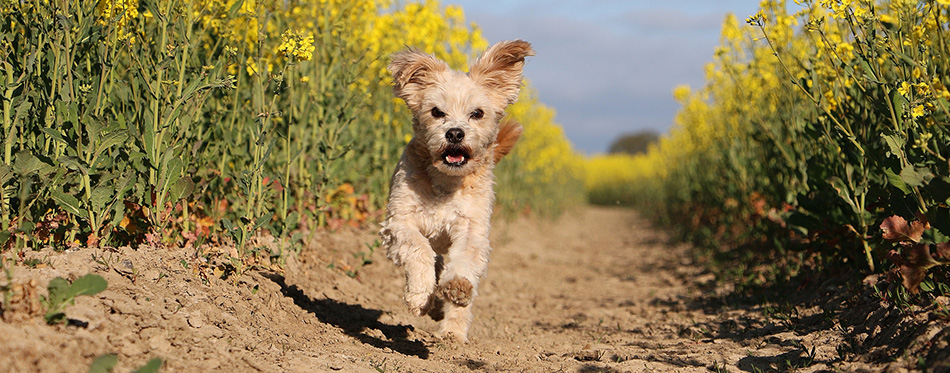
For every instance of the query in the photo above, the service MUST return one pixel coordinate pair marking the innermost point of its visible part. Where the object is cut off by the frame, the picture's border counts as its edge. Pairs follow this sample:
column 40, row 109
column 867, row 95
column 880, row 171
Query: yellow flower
column 294, row 43
column 904, row 89
column 251, row 66
column 681, row 93
column 118, row 13
column 890, row 21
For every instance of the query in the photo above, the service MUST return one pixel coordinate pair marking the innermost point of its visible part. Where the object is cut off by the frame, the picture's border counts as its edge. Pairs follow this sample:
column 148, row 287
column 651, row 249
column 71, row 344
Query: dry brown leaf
column 895, row 228
column 917, row 260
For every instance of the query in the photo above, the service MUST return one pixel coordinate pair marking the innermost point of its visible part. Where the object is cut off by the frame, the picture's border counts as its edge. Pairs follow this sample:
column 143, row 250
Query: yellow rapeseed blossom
column 294, row 43
column 681, row 93
column 904, row 89
column 118, row 13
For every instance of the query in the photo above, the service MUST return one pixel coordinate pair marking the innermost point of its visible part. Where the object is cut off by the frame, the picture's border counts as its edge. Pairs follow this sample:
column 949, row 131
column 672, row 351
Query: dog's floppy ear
column 499, row 68
column 412, row 71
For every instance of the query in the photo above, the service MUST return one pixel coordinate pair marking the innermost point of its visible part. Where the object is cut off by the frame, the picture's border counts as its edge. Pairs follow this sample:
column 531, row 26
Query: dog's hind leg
column 456, row 321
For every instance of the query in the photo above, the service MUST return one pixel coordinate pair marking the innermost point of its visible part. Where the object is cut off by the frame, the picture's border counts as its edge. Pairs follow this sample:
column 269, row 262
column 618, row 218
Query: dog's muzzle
column 455, row 155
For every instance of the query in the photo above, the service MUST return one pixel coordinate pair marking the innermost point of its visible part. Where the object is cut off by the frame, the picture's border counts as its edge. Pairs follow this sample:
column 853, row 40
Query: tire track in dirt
column 599, row 289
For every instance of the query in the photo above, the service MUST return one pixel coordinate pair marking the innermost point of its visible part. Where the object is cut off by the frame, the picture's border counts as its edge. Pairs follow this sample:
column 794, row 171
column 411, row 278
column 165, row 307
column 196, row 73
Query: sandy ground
column 597, row 290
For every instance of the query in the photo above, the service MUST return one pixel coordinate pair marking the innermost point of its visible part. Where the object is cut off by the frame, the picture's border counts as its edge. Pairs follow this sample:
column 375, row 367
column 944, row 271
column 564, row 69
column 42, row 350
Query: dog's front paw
column 419, row 303
column 458, row 291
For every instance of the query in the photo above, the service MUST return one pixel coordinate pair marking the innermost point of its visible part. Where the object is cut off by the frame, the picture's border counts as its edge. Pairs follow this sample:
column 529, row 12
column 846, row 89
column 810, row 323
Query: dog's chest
column 447, row 214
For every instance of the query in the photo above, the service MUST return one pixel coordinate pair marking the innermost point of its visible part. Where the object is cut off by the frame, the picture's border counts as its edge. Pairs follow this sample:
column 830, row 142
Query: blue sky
column 609, row 66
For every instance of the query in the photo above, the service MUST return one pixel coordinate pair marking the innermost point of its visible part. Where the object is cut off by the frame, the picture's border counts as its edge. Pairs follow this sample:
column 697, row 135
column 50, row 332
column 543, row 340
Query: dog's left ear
column 499, row 68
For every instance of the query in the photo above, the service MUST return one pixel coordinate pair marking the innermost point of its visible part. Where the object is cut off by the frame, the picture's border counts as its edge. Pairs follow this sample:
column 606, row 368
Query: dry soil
column 600, row 289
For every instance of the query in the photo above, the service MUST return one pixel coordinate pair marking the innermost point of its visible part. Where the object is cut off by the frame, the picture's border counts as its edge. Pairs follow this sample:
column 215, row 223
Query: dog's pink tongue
column 455, row 158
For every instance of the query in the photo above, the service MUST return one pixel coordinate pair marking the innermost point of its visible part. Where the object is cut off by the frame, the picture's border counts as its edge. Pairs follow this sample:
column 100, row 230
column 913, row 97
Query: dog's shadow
column 354, row 319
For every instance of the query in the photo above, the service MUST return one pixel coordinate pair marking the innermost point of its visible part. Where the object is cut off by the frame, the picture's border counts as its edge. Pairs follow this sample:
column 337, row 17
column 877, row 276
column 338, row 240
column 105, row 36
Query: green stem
column 157, row 97
column 181, row 84
column 7, row 121
column 87, row 192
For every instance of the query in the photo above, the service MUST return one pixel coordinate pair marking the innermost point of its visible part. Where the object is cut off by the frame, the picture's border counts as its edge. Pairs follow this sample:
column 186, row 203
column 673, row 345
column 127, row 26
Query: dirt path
column 598, row 290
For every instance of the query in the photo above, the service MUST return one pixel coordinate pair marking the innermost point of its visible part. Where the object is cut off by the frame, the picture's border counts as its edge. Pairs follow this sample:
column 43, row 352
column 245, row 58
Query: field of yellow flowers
column 223, row 121
column 820, row 134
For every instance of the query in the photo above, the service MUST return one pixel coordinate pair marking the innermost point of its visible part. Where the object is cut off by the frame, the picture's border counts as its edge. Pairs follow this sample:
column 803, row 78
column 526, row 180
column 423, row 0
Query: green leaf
column 291, row 222
column 151, row 366
column 118, row 213
column 104, row 363
column 182, row 188
column 90, row 284
column 58, row 288
column 896, row 181
column 112, row 139
column 23, row 109
column 234, row 8
column 263, row 220
column 26, row 163
column 916, row 176
column 148, row 142
column 72, row 112
column 93, row 129
column 171, row 172
column 74, row 164
column 67, row 202
column 899, row 103
column 54, row 134
column 100, row 196
column 895, row 145
column 6, row 173
column 226, row 223
column 868, row 72
column 841, row 188
column 121, row 121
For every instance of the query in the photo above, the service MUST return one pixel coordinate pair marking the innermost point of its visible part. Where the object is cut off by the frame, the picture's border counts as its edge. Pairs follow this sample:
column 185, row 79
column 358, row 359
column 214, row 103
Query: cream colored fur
column 441, row 195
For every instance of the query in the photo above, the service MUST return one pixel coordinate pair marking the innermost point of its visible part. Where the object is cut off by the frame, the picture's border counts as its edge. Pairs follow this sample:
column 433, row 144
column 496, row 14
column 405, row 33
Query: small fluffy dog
column 441, row 195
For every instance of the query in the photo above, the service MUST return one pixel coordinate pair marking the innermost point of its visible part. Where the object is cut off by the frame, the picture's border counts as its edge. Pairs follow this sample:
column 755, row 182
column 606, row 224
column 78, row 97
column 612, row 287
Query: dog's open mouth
column 455, row 155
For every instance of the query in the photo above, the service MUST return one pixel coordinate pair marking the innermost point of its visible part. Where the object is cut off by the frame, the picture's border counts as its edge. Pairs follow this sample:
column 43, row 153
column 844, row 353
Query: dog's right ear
column 412, row 72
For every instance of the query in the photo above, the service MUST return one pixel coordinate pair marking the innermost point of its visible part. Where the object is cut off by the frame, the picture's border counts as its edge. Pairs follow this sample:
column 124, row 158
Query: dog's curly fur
column 441, row 194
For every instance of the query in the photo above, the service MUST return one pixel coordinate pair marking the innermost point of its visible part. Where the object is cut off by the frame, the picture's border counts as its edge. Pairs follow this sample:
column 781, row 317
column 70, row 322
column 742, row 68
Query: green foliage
column 542, row 175
column 187, row 123
column 813, row 128
column 106, row 363
column 62, row 293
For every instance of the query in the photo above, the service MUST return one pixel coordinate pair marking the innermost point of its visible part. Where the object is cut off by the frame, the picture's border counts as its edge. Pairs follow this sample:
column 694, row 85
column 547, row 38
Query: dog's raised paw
column 458, row 291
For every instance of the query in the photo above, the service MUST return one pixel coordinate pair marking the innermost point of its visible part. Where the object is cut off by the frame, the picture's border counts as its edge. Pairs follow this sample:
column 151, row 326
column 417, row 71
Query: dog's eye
column 436, row 113
column 477, row 114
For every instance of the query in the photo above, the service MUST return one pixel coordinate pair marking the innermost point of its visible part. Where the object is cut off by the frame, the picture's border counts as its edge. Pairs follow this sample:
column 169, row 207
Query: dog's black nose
column 455, row 135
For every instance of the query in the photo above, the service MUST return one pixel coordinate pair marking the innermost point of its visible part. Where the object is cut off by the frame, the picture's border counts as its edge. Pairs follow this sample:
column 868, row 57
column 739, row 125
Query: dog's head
column 456, row 115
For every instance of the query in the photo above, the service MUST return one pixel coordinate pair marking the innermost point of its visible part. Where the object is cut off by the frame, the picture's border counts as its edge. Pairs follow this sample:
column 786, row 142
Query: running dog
column 441, row 194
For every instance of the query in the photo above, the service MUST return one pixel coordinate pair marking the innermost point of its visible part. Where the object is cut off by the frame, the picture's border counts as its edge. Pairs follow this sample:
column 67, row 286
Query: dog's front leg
column 409, row 249
column 467, row 262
